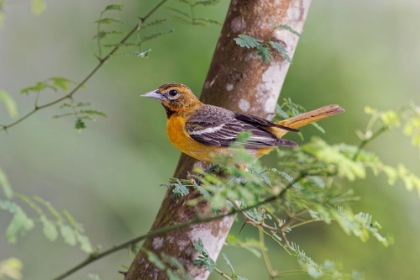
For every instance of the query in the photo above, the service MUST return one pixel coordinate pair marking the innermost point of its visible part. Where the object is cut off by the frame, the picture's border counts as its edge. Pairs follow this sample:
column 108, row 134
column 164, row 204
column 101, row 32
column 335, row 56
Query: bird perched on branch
column 203, row 131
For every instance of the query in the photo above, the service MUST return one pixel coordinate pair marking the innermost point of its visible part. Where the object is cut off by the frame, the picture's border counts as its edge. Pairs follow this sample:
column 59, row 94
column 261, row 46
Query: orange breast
column 175, row 129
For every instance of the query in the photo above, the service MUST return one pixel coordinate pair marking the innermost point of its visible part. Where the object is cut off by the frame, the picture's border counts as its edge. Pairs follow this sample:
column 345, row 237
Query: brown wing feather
column 215, row 126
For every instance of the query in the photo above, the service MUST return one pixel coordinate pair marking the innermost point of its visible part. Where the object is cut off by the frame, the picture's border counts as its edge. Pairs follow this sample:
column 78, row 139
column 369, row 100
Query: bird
column 204, row 131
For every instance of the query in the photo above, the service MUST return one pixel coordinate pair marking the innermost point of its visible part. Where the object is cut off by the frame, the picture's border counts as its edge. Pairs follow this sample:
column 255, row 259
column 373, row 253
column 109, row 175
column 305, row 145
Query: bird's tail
column 307, row 118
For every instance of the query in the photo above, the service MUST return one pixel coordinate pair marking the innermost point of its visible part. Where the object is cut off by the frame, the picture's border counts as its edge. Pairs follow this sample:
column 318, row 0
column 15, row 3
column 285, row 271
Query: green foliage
column 9, row 103
column 252, row 245
column 302, row 189
column 82, row 115
column 408, row 117
column 266, row 47
column 20, row 223
column 289, row 109
column 93, row 277
column 102, row 34
column 4, row 183
column 38, row 6
column 1, row 12
column 286, row 27
column 172, row 266
column 54, row 83
column 189, row 17
column 11, row 269
column 204, row 259
column 179, row 187
column 248, row 42
column 330, row 269
column 54, row 224
column 233, row 275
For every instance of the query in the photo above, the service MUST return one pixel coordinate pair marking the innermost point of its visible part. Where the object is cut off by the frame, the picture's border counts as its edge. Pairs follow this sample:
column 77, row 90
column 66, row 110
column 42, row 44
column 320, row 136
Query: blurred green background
column 355, row 53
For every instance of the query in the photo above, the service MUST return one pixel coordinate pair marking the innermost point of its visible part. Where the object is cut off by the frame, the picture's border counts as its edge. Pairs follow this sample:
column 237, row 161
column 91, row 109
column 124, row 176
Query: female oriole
column 202, row 131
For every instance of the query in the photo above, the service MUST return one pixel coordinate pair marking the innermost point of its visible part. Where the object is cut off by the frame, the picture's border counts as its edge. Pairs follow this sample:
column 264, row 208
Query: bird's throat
column 169, row 112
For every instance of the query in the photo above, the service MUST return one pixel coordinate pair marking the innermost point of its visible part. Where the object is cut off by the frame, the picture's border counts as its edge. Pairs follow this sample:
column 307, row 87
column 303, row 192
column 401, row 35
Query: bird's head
column 174, row 97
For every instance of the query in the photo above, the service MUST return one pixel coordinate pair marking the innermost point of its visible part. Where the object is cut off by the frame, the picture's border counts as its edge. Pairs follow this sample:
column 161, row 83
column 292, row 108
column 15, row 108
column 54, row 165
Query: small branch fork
column 96, row 256
column 84, row 81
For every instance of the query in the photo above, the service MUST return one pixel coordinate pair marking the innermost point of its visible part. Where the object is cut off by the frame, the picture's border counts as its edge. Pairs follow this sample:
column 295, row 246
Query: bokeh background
column 355, row 53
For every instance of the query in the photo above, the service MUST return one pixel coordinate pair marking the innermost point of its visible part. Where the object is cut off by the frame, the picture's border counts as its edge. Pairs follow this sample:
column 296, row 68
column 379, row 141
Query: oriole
column 202, row 131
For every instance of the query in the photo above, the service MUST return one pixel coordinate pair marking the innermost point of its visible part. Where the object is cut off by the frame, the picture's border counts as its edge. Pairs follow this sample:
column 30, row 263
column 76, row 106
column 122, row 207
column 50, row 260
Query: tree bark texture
column 237, row 80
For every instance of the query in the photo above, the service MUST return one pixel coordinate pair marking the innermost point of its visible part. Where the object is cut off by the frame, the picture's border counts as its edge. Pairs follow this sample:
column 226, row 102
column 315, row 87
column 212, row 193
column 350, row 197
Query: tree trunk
column 237, row 80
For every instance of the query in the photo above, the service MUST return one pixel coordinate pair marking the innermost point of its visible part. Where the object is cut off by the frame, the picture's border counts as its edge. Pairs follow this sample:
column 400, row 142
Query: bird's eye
column 173, row 92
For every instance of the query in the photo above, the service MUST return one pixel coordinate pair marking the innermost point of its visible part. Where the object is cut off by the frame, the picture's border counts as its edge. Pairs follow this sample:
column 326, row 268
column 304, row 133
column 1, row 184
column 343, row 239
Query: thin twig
column 100, row 63
column 366, row 141
column 266, row 258
column 224, row 275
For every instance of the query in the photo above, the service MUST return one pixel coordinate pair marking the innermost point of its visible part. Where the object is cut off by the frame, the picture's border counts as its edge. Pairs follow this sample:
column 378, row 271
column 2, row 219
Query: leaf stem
column 364, row 142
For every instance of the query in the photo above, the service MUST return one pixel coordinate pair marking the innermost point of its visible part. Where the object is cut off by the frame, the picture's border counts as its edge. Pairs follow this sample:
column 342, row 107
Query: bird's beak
column 153, row 94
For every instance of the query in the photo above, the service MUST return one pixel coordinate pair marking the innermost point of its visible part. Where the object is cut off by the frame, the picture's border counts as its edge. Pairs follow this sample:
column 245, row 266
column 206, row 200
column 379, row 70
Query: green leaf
column 49, row 229
column 83, row 104
column 9, row 206
column 152, row 36
column 155, row 22
column 155, row 260
column 181, row 20
column 288, row 28
column 250, row 244
column 68, row 234
column 206, row 2
column 347, row 167
column 50, row 208
column 1, row 18
column 93, row 112
column 204, row 259
column 264, row 52
column 178, row 11
column 11, row 268
column 20, row 224
column 103, row 34
column 281, row 112
column 93, row 277
column 38, row 87
column 115, row 7
column 108, row 20
column 281, row 50
column 9, row 103
column 121, row 45
column 142, row 54
column 38, row 6
column 84, row 242
column 317, row 126
column 70, row 219
column 247, row 41
column 80, row 125
column 61, row 82
column 4, row 183
column 207, row 21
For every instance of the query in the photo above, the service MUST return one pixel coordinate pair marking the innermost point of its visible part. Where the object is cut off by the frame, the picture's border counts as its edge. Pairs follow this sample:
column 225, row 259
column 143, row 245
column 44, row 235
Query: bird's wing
column 215, row 126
